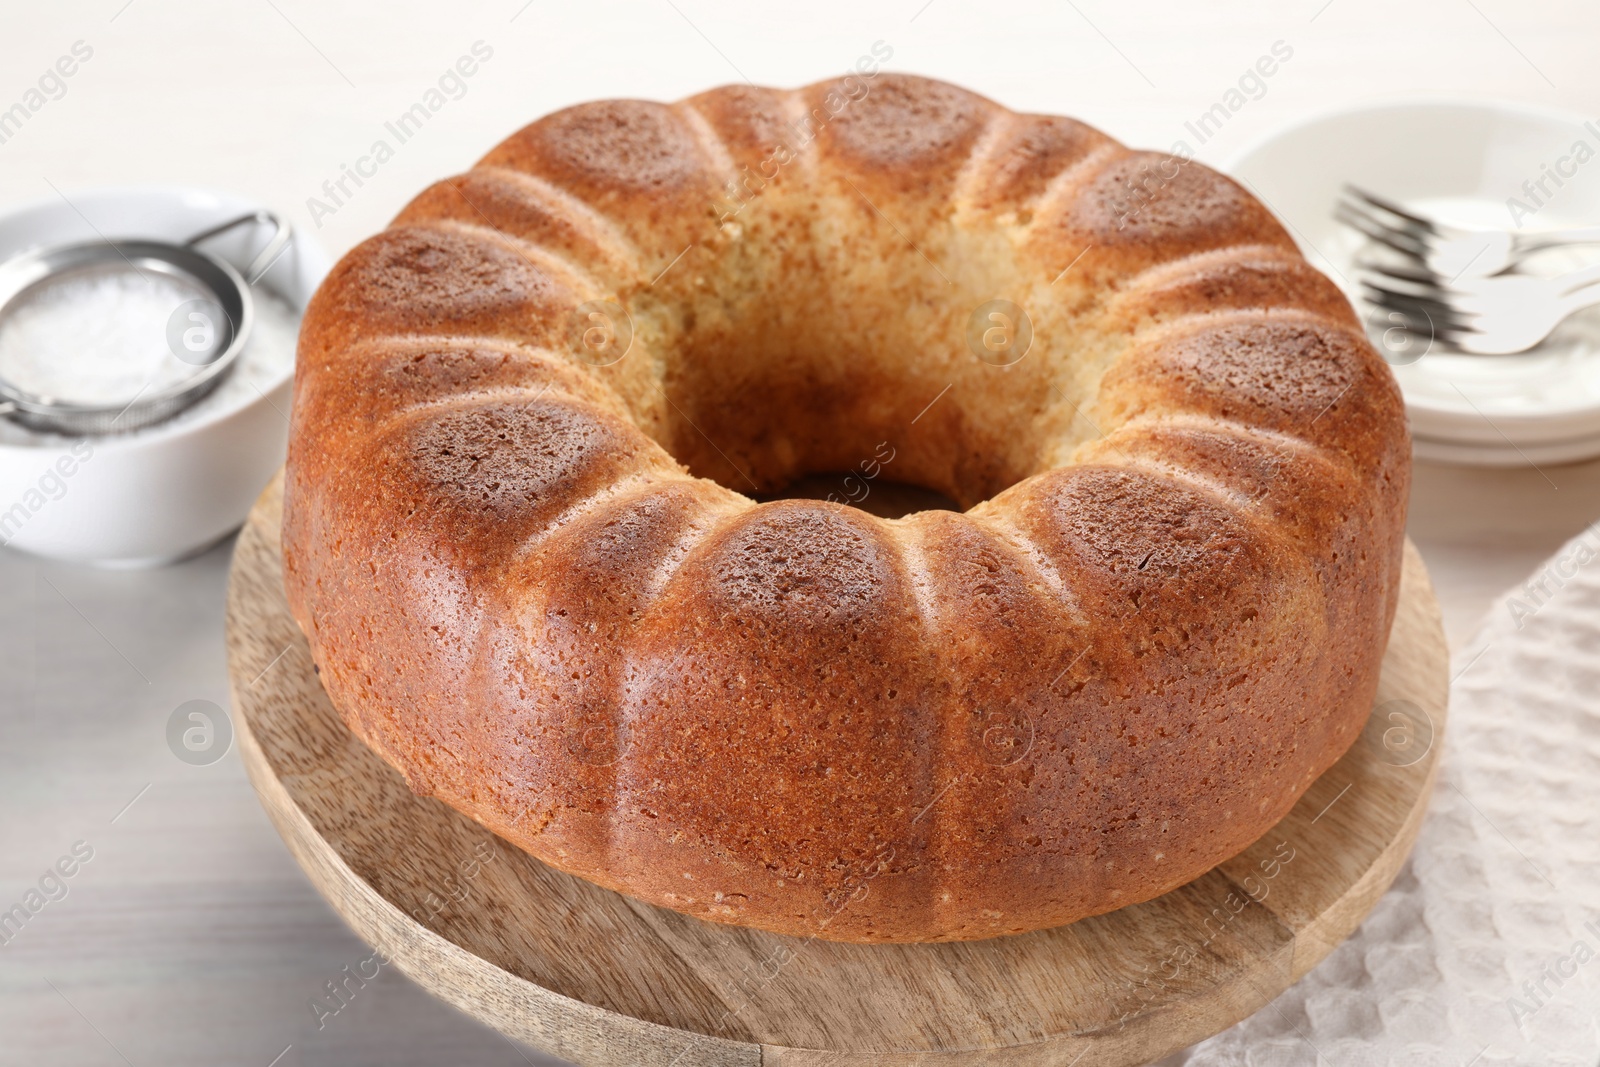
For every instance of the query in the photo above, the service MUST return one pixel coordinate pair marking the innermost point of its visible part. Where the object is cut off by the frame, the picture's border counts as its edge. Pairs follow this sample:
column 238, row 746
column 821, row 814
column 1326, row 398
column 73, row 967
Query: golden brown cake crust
column 517, row 539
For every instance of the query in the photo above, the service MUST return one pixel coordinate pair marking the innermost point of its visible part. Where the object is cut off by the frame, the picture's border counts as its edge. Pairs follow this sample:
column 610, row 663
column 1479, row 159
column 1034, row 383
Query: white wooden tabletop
column 189, row 936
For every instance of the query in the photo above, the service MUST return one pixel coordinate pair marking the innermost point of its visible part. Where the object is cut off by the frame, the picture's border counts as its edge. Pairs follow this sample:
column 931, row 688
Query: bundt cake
column 531, row 416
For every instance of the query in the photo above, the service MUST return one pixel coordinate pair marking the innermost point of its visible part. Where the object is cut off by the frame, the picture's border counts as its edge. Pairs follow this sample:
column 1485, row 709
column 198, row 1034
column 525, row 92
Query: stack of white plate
column 1477, row 165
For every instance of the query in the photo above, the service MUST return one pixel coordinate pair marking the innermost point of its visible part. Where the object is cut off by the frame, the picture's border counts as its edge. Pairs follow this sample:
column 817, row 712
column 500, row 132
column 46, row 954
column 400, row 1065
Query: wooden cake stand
column 600, row 979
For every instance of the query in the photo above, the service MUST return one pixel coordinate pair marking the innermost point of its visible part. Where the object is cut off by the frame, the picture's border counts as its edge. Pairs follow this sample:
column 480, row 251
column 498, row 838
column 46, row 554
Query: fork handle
column 1585, row 297
column 1579, row 279
column 1532, row 242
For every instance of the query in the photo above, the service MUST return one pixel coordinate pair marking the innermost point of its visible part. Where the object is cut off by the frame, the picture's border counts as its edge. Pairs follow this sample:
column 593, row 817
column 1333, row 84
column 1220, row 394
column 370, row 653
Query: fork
column 1484, row 316
column 1448, row 251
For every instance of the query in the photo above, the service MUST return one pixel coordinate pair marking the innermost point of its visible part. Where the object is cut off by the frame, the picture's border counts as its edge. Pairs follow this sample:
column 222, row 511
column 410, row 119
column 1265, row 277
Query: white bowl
column 1463, row 162
column 162, row 493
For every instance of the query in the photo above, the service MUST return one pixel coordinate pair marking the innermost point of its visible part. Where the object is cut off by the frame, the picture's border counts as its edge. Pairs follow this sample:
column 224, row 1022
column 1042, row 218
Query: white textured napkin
column 1487, row 949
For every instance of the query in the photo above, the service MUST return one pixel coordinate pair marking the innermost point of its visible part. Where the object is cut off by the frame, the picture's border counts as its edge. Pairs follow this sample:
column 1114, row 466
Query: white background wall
column 269, row 99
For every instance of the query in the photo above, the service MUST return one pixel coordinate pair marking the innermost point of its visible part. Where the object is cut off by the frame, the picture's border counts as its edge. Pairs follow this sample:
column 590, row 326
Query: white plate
column 1502, row 452
column 160, row 494
column 1463, row 162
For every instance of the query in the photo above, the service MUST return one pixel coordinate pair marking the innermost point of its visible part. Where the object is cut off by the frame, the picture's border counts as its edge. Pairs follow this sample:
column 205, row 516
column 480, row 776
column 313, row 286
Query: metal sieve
column 224, row 315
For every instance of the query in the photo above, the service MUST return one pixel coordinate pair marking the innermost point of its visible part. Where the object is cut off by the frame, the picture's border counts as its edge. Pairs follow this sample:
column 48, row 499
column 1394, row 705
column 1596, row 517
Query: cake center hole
column 880, row 496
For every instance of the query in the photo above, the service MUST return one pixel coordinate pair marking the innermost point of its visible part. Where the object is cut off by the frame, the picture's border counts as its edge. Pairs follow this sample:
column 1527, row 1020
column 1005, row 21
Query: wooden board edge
column 1311, row 944
column 588, row 1034
column 513, row 1005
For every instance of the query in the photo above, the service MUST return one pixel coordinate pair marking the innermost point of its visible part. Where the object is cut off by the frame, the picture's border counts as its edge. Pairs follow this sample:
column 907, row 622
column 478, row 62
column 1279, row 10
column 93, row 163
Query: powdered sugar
column 96, row 336
column 101, row 336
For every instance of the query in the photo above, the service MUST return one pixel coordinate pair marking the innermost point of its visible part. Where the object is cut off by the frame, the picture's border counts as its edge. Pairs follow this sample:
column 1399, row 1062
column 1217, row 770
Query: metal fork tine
column 1445, row 330
column 1446, row 334
column 1407, row 310
column 1432, row 300
column 1396, row 272
column 1437, row 311
column 1355, row 214
column 1385, row 220
column 1400, row 241
column 1425, row 224
column 1440, row 316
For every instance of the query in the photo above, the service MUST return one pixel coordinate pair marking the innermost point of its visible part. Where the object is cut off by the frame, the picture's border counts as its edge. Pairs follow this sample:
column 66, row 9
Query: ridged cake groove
column 561, row 269
column 528, row 207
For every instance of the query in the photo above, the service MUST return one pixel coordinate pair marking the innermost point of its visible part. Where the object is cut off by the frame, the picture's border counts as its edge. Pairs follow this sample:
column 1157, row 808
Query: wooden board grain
column 601, row 979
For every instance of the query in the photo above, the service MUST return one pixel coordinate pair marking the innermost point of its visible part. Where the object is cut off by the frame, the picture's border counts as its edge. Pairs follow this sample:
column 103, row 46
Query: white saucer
column 1462, row 162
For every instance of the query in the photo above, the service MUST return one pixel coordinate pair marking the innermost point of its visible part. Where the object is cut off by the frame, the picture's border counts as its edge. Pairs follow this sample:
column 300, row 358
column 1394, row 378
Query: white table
column 191, row 937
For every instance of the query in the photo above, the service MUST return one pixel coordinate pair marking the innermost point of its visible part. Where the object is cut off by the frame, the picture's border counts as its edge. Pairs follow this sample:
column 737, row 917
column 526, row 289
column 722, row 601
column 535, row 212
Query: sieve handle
column 281, row 235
